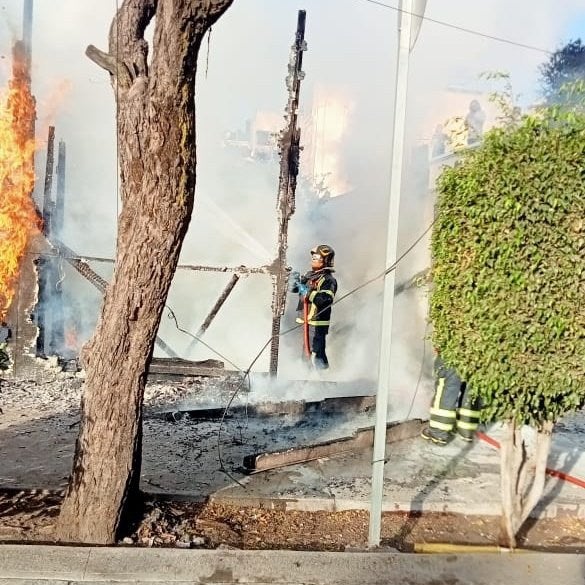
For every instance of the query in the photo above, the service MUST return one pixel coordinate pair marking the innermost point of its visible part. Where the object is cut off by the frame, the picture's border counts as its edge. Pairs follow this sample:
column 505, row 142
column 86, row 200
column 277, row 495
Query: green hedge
column 508, row 297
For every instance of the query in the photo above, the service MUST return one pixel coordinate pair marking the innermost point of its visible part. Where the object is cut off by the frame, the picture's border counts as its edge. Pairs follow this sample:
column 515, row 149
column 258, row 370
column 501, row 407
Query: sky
column 351, row 50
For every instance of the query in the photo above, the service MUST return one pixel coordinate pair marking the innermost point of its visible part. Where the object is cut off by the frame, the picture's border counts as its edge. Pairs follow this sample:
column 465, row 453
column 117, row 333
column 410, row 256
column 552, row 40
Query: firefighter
column 5, row 336
column 316, row 290
column 452, row 410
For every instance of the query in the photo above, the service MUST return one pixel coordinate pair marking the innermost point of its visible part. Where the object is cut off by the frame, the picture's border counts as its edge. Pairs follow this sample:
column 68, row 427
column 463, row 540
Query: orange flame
column 18, row 217
column 71, row 340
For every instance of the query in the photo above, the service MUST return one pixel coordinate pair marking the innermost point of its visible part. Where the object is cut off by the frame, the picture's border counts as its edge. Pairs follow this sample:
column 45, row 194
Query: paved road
column 48, row 565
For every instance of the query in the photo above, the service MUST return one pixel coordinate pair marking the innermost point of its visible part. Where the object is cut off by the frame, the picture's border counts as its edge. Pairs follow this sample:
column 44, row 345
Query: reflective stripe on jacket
column 322, row 292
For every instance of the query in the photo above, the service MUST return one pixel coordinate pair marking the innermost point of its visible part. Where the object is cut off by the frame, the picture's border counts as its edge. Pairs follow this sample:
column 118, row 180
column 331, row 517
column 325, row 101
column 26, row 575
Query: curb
column 51, row 564
column 309, row 504
column 339, row 505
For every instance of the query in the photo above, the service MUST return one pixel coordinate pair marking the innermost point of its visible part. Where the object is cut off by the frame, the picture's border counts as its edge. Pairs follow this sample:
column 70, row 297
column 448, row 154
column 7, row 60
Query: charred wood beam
column 242, row 270
column 165, row 347
column 361, row 439
column 236, row 269
column 57, row 217
column 214, row 311
column 218, row 304
column 47, row 194
column 179, row 367
column 289, row 145
column 59, row 211
column 89, row 274
column 27, row 20
column 80, row 265
column 47, row 267
column 317, row 408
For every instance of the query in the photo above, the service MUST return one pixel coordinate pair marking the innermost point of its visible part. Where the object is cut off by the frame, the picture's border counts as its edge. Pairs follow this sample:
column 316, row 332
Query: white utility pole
column 408, row 27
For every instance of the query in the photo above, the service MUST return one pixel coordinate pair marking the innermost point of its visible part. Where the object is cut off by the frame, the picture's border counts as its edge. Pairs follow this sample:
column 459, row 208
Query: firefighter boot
column 318, row 362
column 435, row 436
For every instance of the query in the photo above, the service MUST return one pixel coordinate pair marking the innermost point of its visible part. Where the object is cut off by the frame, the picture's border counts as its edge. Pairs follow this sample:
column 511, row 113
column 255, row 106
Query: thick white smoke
column 241, row 71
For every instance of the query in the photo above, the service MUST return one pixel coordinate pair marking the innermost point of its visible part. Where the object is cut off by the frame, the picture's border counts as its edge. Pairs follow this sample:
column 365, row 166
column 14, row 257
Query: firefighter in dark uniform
column 452, row 410
column 5, row 336
column 316, row 291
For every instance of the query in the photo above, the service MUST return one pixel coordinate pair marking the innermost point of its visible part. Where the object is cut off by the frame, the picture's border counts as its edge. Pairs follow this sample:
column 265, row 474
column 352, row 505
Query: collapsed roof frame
column 289, row 151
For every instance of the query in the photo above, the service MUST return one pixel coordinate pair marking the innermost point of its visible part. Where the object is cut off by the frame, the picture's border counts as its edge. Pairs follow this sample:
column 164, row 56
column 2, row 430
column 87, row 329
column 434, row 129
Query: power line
column 246, row 377
column 461, row 28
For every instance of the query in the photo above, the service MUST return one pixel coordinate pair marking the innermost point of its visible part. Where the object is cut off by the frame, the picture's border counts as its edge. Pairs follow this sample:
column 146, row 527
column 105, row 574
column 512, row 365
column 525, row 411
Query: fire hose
column 306, row 344
column 552, row 472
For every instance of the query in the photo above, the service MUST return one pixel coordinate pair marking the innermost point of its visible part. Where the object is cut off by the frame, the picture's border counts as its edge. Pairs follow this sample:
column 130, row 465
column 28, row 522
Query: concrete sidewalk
column 419, row 476
column 47, row 565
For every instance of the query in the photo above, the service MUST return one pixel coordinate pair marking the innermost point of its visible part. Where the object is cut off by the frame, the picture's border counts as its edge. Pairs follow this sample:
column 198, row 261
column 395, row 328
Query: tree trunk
column 522, row 478
column 156, row 141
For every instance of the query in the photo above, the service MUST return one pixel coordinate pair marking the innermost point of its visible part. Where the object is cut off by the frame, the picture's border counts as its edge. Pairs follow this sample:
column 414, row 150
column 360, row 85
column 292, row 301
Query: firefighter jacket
column 322, row 288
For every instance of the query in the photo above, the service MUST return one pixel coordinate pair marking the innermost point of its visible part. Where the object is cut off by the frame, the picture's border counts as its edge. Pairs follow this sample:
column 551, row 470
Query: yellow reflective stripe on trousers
column 468, row 412
column 443, row 412
column 439, row 393
column 467, row 425
column 434, row 424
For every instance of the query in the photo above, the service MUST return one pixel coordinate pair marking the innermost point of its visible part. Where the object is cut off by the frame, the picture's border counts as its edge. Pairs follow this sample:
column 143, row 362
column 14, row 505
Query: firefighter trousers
column 318, row 346
column 452, row 407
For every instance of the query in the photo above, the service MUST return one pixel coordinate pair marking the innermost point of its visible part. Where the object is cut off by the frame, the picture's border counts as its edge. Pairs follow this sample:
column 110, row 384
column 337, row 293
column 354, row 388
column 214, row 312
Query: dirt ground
column 38, row 425
column 30, row 516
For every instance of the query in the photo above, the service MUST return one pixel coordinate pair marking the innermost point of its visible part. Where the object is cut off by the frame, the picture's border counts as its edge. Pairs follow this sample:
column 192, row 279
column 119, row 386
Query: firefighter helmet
column 326, row 253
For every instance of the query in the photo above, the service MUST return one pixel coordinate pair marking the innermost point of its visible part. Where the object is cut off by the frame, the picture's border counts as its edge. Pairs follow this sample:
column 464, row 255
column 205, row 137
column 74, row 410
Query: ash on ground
column 40, row 422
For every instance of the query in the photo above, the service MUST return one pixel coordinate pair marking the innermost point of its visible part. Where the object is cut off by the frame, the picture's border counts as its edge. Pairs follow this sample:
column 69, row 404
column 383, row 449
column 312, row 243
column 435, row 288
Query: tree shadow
column 35, row 503
column 416, row 504
column 565, row 460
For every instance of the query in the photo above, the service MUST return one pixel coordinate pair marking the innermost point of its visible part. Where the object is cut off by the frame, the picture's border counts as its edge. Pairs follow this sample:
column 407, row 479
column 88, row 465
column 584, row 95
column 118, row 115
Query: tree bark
column 522, row 476
column 156, row 142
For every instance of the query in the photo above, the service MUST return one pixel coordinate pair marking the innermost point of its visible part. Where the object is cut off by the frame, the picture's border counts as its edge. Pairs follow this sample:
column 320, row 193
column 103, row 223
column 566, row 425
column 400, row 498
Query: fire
column 18, row 217
column 71, row 340
column 330, row 121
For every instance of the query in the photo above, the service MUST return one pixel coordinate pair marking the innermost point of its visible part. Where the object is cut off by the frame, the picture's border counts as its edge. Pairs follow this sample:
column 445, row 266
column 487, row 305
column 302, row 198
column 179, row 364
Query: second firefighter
column 453, row 410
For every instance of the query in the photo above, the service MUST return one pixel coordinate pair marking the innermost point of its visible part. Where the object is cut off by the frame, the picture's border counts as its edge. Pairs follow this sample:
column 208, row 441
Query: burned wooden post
column 27, row 20
column 46, row 278
column 59, row 209
column 58, row 329
column 287, row 183
column 218, row 304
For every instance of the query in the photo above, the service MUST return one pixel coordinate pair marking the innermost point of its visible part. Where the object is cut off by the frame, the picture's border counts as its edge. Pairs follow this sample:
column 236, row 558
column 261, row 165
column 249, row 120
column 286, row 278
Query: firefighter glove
column 303, row 289
column 295, row 279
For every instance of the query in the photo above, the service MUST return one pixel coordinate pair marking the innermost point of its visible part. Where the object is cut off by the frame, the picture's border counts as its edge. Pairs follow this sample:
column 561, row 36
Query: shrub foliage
column 508, row 246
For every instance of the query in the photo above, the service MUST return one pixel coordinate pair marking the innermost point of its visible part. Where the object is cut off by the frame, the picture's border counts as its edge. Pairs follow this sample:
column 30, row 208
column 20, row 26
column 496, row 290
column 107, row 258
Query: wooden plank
column 180, row 367
column 361, row 439
column 327, row 406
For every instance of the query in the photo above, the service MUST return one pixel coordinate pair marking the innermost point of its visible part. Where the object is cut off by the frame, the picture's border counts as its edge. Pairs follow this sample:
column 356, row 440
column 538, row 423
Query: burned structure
column 43, row 316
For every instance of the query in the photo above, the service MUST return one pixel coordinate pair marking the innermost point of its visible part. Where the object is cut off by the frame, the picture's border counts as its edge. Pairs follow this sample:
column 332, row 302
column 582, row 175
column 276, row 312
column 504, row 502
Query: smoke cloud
column 241, row 70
